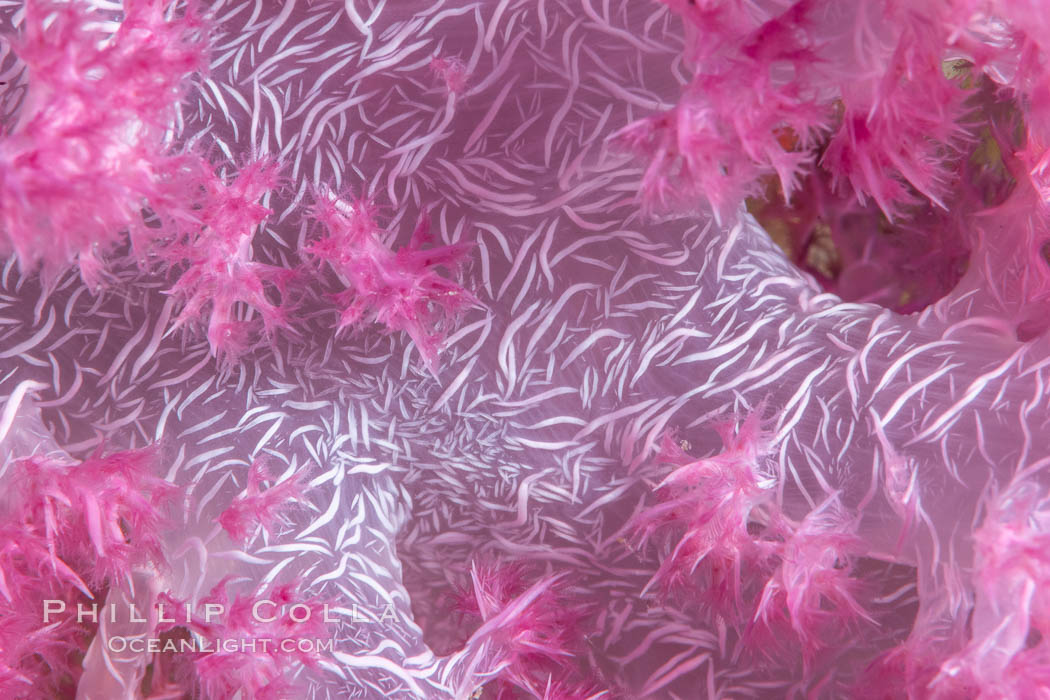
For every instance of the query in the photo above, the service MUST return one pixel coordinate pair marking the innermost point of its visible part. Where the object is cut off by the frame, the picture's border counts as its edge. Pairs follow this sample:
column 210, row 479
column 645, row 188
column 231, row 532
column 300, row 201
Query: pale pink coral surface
column 873, row 509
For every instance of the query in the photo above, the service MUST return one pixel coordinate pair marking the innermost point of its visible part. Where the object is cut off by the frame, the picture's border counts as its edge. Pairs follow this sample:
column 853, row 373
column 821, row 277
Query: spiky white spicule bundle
column 342, row 324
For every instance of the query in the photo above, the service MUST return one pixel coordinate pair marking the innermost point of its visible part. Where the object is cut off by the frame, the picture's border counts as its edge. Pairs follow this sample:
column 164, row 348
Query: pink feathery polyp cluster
column 401, row 290
column 737, row 122
column 257, row 643
column 531, row 628
column 92, row 147
column 725, row 533
column 865, row 136
column 88, row 513
column 856, row 89
column 92, row 165
column 706, row 507
column 813, row 587
column 72, row 533
column 1008, row 651
column 67, row 533
column 257, row 507
column 214, row 258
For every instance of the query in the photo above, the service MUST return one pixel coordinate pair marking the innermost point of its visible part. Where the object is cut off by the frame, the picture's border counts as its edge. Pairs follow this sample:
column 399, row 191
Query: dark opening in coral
column 855, row 250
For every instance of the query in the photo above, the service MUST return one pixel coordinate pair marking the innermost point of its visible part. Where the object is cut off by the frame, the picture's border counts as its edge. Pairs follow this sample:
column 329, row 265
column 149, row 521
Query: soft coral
column 738, row 120
column 252, row 644
column 92, row 144
column 706, row 509
column 813, row 587
column 214, row 252
column 69, row 532
column 1012, row 605
column 903, row 116
column 256, row 507
column 401, row 290
column 529, row 633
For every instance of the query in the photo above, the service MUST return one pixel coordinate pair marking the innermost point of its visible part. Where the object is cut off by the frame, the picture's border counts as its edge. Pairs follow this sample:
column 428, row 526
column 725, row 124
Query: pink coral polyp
column 91, row 146
column 531, row 628
column 402, row 291
column 67, row 533
column 813, row 586
column 256, row 643
column 218, row 273
column 257, row 507
column 705, row 508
